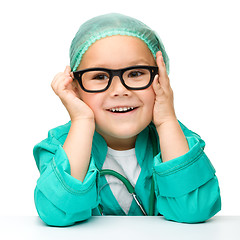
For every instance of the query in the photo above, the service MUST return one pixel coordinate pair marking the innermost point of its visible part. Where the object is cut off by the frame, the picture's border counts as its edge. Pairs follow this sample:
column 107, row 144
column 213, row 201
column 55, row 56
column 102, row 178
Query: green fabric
column 109, row 25
column 186, row 187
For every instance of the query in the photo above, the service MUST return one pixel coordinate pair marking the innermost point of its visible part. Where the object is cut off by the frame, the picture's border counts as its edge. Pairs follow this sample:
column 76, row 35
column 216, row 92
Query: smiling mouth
column 122, row 109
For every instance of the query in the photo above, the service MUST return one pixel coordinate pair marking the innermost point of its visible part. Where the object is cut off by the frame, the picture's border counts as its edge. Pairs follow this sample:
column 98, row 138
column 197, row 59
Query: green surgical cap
column 109, row 25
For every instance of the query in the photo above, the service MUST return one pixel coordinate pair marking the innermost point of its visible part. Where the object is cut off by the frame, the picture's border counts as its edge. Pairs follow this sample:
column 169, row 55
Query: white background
column 202, row 41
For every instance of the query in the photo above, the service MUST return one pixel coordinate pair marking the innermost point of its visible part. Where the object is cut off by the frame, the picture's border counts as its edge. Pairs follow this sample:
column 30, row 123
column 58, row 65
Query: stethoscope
column 129, row 186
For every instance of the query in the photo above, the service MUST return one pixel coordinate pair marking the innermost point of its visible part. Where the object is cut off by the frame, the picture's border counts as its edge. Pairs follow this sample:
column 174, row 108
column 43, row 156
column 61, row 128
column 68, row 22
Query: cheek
column 93, row 100
column 87, row 98
column 149, row 98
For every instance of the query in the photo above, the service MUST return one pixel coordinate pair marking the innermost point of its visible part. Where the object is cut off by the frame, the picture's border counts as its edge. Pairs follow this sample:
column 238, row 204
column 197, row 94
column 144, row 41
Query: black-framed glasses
column 99, row 79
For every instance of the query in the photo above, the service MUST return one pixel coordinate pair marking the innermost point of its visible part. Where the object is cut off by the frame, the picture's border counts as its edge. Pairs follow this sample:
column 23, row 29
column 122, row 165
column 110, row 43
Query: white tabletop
column 114, row 227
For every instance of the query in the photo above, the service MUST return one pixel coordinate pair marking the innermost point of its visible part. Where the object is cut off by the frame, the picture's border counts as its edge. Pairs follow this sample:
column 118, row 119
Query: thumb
column 156, row 85
column 67, row 69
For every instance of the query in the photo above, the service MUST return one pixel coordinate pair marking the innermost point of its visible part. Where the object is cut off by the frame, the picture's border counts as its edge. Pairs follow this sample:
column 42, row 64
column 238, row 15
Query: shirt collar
column 99, row 148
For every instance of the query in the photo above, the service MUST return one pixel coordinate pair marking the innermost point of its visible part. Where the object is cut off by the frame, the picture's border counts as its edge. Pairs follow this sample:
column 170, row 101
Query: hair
column 109, row 25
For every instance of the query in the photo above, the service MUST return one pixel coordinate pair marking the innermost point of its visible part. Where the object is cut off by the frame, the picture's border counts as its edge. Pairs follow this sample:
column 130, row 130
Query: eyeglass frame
column 116, row 72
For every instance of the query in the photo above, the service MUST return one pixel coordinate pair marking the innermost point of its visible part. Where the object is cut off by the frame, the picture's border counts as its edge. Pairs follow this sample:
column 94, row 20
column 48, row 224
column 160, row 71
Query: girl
column 124, row 152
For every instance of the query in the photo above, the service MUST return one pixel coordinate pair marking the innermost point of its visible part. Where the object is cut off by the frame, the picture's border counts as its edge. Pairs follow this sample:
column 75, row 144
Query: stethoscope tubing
column 129, row 186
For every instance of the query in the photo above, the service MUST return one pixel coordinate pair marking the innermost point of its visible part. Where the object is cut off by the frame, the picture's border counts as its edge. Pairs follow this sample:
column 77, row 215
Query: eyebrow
column 132, row 63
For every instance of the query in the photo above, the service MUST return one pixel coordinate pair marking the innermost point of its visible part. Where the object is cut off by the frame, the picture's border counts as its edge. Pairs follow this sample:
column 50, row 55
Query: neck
column 119, row 144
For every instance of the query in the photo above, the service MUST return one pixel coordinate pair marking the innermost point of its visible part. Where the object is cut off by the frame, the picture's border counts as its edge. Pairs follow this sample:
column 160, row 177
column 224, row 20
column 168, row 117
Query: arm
column 172, row 140
column 187, row 188
column 79, row 140
column 61, row 199
column 67, row 190
column 78, row 146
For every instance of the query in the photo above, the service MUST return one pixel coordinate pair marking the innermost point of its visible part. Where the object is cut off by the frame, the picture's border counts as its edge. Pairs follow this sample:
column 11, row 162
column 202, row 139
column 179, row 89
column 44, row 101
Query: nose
column 117, row 89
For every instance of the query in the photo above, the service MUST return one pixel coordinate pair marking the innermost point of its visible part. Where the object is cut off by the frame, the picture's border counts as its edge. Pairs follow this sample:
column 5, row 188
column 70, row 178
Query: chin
column 122, row 132
column 124, row 135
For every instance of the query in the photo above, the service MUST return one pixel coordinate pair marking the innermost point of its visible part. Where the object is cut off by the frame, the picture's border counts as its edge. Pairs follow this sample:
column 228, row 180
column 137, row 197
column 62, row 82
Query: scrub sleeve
column 186, row 187
column 60, row 199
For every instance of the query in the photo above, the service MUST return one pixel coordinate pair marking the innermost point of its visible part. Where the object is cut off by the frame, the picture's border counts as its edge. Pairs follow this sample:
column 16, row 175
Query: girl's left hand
column 163, row 110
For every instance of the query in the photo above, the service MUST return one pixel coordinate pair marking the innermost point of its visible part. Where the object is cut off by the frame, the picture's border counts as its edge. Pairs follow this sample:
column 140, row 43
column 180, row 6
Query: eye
column 135, row 74
column 100, row 77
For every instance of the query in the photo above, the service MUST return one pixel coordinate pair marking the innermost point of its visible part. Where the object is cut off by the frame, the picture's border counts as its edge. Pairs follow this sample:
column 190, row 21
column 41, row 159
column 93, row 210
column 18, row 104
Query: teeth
column 121, row 109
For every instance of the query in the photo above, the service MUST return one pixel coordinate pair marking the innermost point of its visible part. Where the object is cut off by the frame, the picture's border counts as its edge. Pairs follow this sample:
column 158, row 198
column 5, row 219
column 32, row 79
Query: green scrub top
column 186, row 188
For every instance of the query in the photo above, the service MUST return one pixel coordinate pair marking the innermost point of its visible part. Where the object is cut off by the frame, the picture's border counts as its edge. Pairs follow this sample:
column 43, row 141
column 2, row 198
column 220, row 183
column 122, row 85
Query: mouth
column 124, row 109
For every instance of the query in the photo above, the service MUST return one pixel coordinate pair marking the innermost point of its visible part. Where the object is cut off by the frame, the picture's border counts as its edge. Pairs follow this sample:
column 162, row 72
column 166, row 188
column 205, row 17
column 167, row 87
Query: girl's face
column 119, row 129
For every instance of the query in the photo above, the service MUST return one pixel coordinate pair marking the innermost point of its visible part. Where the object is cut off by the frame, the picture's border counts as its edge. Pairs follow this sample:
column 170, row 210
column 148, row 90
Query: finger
column 160, row 63
column 67, row 70
column 68, row 75
column 62, row 79
column 156, row 81
column 58, row 78
column 67, row 81
column 156, row 85
column 55, row 79
column 61, row 82
column 164, row 80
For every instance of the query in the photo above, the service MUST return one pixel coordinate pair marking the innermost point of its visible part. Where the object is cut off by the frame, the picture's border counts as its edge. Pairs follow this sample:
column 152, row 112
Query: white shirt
column 125, row 163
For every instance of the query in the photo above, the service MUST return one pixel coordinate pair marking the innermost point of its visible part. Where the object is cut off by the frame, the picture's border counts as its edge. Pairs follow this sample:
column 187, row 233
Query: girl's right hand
column 67, row 91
